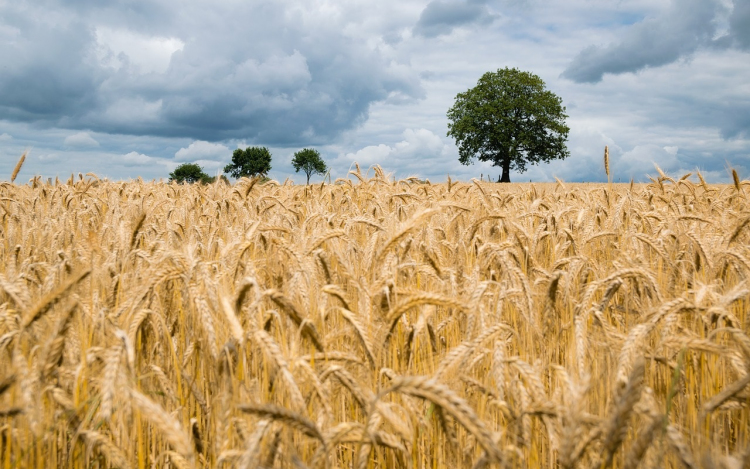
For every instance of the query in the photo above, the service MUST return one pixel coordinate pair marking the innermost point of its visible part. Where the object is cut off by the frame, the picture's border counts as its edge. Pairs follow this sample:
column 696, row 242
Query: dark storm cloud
column 44, row 72
column 441, row 17
column 657, row 41
column 739, row 24
column 256, row 72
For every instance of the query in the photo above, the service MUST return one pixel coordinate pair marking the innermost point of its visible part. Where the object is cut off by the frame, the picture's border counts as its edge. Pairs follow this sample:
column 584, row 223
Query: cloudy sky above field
column 134, row 88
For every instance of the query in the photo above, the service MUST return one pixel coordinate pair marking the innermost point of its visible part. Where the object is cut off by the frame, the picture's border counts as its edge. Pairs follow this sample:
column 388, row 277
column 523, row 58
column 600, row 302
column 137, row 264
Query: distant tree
column 250, row 162
column 188, row 172
column 309, row 161
column 212, row 179
column 510, row 119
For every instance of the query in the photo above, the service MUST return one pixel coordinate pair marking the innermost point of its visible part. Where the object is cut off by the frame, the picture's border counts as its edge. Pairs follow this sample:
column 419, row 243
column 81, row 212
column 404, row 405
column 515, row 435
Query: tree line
column 509, row 119
column 251, row 162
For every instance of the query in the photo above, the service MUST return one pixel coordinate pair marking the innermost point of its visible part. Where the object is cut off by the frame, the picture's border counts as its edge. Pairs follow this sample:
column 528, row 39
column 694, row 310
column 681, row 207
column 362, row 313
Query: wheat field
column 374, row 323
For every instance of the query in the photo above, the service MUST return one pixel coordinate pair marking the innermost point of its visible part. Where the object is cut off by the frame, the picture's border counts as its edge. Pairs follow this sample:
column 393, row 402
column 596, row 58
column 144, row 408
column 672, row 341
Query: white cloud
column 4, row 137
column 80, row 140
column 136, row 159
column 419, row 150
column 202, row 150
column 642, row 158
column 150, row 54
column 372, row 154
column 672, row 150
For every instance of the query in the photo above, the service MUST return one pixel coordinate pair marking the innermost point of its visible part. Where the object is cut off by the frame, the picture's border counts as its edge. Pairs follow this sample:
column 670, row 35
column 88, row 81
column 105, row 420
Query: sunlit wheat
column 374, row 323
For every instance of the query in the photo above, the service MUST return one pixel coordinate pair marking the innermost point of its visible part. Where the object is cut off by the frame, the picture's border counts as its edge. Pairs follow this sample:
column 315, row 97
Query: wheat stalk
column 18, row 167
column 606, row 162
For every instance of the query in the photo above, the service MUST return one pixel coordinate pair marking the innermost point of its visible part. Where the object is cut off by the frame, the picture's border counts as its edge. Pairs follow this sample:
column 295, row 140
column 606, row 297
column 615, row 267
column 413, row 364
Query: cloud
column 441, row 17
column 270, row 72
column 738, row 34
column 117, row 48
column 678, row 32
column 210, row 166
column 372, row 154
column 134, row 159
column 148, row 80
column 641, row 159
column 419, row 153
column 80, row 140
column 202, row 150
column 5, row 137
column 49, row 77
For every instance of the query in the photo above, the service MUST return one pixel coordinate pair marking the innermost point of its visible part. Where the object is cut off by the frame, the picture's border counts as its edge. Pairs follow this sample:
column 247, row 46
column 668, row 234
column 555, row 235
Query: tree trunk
column 308, row 179
column 506, row 171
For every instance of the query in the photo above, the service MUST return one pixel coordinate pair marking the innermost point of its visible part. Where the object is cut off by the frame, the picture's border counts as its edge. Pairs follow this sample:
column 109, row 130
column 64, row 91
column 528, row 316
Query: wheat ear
column 416, row 300
column 107, row 448
column 168, row 425
column 250, row 456
column 52, row 298
column 273, row 352
column 361, row 395
column 615, row 427
column 285, row 416
column 645, row 439
column 461, row 352
column 359, row 327
column 606, row 160
column 678, row 444
column 18, row 167
column 440, row 395
column 7, row 383
column 727, row 393
column 346, row 432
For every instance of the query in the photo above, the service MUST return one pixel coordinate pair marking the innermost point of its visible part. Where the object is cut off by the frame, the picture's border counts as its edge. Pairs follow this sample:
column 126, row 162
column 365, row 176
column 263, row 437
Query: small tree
column 188, row 172
column 510, row 119
column 250, row 162
column 309, row 161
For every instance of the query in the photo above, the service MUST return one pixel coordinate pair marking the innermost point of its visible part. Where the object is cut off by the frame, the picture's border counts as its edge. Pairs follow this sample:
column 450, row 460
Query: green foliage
column 250, row 162
column 510, row 119
column 212, row 179
column 309, row 161
column 188, row 172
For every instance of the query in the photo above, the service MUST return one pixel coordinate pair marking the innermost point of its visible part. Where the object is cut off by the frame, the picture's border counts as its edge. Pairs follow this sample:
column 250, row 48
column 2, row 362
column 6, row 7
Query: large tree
column 510, row 119
column 309, row 161
column 252, row 161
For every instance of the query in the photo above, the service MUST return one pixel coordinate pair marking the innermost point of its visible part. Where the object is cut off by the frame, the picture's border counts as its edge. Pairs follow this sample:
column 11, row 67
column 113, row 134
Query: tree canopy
column 252, row 161
column 309, row 161
column 510, row 119
column 190, row 173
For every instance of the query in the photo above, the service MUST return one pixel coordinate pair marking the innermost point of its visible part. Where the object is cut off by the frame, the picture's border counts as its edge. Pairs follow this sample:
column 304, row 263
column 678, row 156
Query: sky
column 133, row 88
